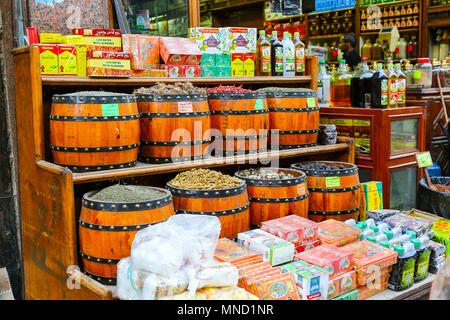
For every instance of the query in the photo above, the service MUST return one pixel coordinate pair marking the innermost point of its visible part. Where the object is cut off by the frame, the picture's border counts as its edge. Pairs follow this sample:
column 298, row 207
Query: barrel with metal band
column 107, row 230
column 230, row 205
column 276, row 198
column 91, row 131
column 333, row 193
column 294, row 119
column 174, row 128
column 242, row 121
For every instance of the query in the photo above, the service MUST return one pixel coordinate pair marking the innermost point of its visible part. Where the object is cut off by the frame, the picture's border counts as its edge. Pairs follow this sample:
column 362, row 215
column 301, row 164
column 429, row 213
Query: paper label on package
column 424, row 159
column 185, row 106
column 110, row 110
column 332, row 182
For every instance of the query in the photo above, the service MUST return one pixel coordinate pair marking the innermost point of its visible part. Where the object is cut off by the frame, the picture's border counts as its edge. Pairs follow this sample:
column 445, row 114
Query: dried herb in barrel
column 204, row 179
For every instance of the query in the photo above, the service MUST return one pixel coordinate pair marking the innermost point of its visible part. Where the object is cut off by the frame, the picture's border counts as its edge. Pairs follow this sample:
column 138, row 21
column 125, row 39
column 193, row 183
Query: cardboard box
column 247, row 271
column 312, row 283
column 67, row 60
column 230, row 251
column 342, row 284
column 278, row 287
column 237, row 65
column 223, row 72
column 208, row 72
column 293, row 228
column 208, row 60
column 50, row 38
column 337, row 233
column 144, row 50
column 223, row 60
column 81, row 61
column 295, row 266
column 108, row 64
column 175, row 71
column 334, row 260
column 158, row 73
column 307, row 246
column 249, row 65
column 373, row 195
column 179, row 51
column 352, row 295
column 210, row 40
column 241, row 40
column 192, row 71
column 109, row 40
column 72, row 40
column 273, row 249
column 48, row 54
column 260, row 275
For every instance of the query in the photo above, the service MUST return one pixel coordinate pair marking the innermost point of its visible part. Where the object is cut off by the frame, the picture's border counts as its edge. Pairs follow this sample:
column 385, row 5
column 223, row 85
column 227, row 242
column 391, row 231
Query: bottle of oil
column 264, row 56
column 401, row 86
column 277, row 55
column 262, row 35
column 367, row 50
column 288, row 55
column 299, row 55
column 340, row 84
column 392, row 87
column 360, row 86
column 379, row 88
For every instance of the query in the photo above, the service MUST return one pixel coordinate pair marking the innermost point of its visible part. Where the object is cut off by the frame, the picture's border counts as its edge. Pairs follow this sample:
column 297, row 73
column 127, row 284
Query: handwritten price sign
column 424, row 159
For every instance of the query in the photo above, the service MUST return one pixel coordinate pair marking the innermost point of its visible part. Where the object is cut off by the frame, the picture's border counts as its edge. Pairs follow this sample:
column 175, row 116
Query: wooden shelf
column 417, row 290
column 433, row 9
column 141, row 81
column 368, row 33
column 142, row 169
column 325, row 37
column 394, row 3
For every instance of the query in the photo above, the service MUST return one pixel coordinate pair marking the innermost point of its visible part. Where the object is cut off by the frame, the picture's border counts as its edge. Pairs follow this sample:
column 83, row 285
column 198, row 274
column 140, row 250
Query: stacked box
column 437, row 256
column 367, row 292
column 373, row 197
column 278, row 287
column 144, row 50
column 312, row 283
column 237, row 64
column 273, row 249
column 341, row 284
column 247, row 270
column 210, row 40
column 48, row 55
column 50, row 38
column 352, row 295
column 441, row 230
column 108, row 40
column 336, row 261
column 67, row 60
column 230, row 251
column 108, row 64
column 241, row 40
column 338, row 233
column 149, row 73
column 253, row 278
column 179, row 51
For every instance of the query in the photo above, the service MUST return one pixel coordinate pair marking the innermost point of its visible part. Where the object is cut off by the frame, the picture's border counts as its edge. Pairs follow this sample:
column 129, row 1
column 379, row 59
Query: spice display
column 204, row 179
column 264, row 174
column 169, row 89
column 228, row 89
column 127, row 193
column 423, row 73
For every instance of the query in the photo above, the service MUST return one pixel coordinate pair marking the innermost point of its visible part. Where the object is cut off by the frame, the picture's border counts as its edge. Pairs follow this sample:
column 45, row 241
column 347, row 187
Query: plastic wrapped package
column 341, row 284
column 437, row 249
column 217, row 275
column 380, row 215
column 312, row 283
column 292, row 228
column 352, row 295
column 156, row 286
column 337, row 233
column 367, row 292
column 125, row 275
column 380, row 276
column 230, row 251
column 441, row 230
column 224, row 293
column 307, row 246
column 369, row 257
column 419, row 225
column 278, row 287
column 333, row 259
column 398, row 220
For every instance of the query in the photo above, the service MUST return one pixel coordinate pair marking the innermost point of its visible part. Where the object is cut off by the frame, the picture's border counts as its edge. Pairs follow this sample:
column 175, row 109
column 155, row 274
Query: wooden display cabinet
column 393, row 136
column 50, row 195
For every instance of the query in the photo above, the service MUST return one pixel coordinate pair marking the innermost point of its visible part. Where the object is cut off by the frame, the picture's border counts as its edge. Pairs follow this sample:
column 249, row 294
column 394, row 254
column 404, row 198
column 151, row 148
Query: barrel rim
column 274, row 182
column 89, row 203
column 211, row 193
column 148, row 97
column 352, row 169
column 87, row 99
column 290, row 94
column 236, row 95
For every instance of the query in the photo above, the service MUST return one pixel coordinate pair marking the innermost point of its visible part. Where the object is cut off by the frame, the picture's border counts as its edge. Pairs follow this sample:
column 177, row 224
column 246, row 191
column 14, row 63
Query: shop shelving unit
column 50, row 195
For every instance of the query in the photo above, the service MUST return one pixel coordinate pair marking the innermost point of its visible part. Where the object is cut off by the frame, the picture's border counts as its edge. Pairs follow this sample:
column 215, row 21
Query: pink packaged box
column 179, row 51
column 342, row 284
column 306, row 246
column 292, row 228
column 333, row 259
column 337, row 233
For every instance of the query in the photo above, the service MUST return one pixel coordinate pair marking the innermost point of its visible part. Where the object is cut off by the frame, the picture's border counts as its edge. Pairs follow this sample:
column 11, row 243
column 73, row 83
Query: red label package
column 144, row 50
column 334, row 260
column 100, row 39
column 292, row 228
column 230, row 251
column 179, row 51
column 108, row 64
column 338, row 233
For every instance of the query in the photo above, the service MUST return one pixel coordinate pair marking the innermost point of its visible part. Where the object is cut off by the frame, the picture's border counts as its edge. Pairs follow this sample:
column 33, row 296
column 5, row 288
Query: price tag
column 259, row 104
column 332, row 182
column 301, row 189
column 424, row 159
column 110, row 110
column 417, row 74
column 311, row 102
column 185, row 106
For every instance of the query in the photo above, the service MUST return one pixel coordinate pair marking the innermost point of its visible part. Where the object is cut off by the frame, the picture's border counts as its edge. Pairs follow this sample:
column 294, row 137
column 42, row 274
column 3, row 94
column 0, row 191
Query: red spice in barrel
column 228, row 89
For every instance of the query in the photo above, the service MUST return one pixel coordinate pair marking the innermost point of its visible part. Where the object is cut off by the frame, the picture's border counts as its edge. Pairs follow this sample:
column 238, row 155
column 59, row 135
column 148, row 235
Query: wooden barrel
column 333, row 194
column 294, row 119
column 174, row 128
column 242, row 120
column 230, row 205
column 107, row 231
column 276, row 198
column 92, row 131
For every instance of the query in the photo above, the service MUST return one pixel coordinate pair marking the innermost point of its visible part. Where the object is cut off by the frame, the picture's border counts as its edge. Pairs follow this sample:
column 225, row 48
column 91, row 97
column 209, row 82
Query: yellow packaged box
column 48, row 59
column 100, row 39
column 249, row 65
column 73, row 40
column 81, row 61
column 237, row 65
column 67, row 60
column 372, row 198
column 53, row 38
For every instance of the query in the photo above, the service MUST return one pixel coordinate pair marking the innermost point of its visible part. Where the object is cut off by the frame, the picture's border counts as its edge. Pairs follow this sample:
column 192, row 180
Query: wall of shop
column 10, row 252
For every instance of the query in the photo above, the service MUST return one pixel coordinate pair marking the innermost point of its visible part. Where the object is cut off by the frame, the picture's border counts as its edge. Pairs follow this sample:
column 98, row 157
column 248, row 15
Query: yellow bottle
column 392, row 87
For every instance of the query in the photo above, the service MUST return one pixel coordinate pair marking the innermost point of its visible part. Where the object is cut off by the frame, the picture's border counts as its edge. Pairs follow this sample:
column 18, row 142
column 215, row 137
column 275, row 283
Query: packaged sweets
column 398, row 220
column 419, row 225
column 294, row 266
column 423, row 252
column 380, row 276
column 245, row 272
column 380, row 215
column 273, row 249
column 179, row 51
column 341, row 284
column 158, row 73
column 337, row 233
column 312, row 283
column 108, row 64
column 144, row 50
column 367, row 292
column 67, row 60
column 277, row 287
column 192, row 71
column 100, row 39
column 352, row 295
column 437, row 249
column 48, row 56
column 334, row 260
column 402, row 274
column 230, row 251
column 370, row 257
column 292, row 228
column 260, row 275
column 306, row 246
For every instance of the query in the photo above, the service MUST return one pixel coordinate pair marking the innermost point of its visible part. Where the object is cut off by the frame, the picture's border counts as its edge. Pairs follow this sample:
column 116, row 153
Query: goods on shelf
column 230, row 251
column 275, row 193
column 312, row 283
column 423, row 73
column 108, row 64
column 337, row 233
column 402, row 274
column 100, row 39
column 423, row 252
column 341, row 284
column 323, row 83
column 144, row 50
column 437, row 256
column 372, row 198
column 340, row 85
column 360, row 86
column 334, row 190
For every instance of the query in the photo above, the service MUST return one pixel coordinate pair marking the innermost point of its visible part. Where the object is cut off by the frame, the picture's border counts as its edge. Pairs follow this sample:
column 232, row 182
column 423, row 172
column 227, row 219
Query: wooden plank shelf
column 389, row 4
column 418, row 290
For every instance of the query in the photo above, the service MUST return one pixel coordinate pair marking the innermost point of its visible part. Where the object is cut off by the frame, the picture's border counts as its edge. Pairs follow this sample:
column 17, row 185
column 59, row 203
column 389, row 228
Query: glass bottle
column 377, row 51
column 264, row 56
column 392, row 87
column 416, row 8
column 403, row 47
column 367, row 50
column 401, row 86
column 409, row 10
column 340, row 83
column 262, row 35
column 299, row 55
column 360, row 86
column 403, row 11
column 277, row 55
column 412, row 48
column 288, row 55
column 409, row 72
column 379, row 88
column 323, row 83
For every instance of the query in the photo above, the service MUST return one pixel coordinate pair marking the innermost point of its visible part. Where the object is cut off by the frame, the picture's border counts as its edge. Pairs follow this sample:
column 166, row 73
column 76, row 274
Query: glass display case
column 159, row 18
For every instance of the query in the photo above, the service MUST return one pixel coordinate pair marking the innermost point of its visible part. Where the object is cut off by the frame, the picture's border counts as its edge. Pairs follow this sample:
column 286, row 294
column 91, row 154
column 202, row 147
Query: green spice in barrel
column 204, row 191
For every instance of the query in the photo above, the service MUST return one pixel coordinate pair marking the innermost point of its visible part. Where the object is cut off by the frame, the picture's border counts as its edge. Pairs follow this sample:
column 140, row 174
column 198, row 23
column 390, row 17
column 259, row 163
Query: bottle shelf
column 393, row 3
column 368, row 33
